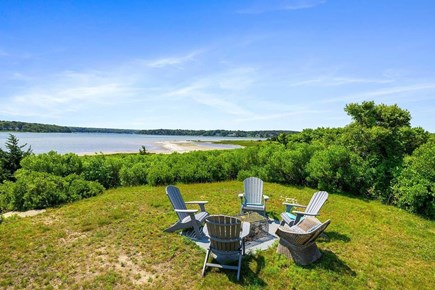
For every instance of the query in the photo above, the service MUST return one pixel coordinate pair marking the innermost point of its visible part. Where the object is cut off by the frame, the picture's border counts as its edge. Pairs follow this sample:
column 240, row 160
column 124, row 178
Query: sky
column 216, row 64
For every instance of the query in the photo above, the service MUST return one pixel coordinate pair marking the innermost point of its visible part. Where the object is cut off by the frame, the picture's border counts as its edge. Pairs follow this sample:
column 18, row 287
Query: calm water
column 82, row 143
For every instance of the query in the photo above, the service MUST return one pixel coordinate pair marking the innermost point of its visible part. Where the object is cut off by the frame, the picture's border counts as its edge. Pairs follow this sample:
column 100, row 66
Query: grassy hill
column 116, row 240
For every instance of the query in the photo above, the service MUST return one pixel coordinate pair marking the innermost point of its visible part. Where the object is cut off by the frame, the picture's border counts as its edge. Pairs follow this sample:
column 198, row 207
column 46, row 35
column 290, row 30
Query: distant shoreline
column 21, row 127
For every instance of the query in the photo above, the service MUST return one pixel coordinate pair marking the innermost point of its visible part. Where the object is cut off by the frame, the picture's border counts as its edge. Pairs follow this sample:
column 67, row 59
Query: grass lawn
column 116, row 240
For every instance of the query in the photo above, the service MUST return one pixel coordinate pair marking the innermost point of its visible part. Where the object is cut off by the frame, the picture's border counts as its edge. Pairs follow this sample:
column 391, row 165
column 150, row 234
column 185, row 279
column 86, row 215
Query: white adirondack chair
column 253, row 199
column 312, row 209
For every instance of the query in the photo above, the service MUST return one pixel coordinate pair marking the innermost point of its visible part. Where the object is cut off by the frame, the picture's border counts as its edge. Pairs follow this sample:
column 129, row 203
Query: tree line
column 16, row 126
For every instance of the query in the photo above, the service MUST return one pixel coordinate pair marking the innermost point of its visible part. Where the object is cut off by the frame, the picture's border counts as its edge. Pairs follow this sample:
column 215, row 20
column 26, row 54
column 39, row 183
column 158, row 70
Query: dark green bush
column 78, row 188
column 336, row 169
column 289, row 166
column 54, row 163
column 102, row 169
column 414, row 189
column 160, row 173
column 36, row 190
column 135, row 174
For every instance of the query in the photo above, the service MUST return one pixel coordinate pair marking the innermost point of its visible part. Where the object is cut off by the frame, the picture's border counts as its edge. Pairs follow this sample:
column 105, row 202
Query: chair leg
column 197, row 231
column 239, row 267
column 205, row 262
column 174, row 227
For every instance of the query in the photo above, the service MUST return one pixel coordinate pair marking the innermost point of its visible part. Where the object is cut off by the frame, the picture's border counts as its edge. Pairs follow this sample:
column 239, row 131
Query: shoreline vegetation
column 17, row 126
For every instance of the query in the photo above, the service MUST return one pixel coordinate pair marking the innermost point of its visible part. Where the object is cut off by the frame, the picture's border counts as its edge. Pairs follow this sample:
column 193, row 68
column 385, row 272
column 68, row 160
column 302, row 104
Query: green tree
column 11, row 157
column 368, row 114
column 381, row 135
column 414, row 189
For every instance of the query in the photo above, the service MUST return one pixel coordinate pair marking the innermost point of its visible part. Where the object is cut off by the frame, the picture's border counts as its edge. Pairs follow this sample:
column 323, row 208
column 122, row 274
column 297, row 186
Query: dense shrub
column 35, row 190
column 54, row 163
column 414, row 189
column 135, row 174
column 289, row 166
column 160, row 173
column 336, row 169
column 78, row 188
column 102, row 169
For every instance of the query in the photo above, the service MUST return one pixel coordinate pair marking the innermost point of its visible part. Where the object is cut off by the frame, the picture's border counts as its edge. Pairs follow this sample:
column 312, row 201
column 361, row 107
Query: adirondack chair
column 312, row 209
column 298, row 242
column 187, row 218
column 253, row 198
column 226, row 235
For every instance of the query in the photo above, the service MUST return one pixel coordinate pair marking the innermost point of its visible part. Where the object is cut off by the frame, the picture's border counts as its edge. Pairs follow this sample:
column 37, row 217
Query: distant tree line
column 217, row 133
column 16, row 126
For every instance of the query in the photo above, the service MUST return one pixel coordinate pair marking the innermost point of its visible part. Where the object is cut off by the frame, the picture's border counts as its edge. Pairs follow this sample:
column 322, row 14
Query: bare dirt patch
column 28, row 213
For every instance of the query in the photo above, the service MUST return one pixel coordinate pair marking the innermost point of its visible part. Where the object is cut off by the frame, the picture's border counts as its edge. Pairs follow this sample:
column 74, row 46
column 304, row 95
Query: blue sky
column 245, row 65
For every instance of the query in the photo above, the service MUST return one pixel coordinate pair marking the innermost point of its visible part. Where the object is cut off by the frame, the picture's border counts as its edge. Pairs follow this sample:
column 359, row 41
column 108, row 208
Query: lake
column 89, row 143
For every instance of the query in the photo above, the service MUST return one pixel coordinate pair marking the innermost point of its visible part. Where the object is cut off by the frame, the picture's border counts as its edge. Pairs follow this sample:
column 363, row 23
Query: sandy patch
column 186, row 146
column 23, row 213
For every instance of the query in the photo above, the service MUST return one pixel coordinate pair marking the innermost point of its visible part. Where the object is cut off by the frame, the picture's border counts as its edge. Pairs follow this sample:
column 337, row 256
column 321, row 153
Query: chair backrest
column 176, row 199
column 253, row 187
column 317, row 202
column 224, row 232
column 300, row 234
column 319, row 230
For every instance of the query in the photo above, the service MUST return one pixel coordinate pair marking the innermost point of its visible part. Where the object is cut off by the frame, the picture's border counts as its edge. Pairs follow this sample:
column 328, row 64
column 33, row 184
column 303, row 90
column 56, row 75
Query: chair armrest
column 186, row 210
column 246, row 226
column 241, row 195
column 205, row 230
column 306, row 213
column 266, row 197
column 294, row 204
column 196, row 202
column 200, row 203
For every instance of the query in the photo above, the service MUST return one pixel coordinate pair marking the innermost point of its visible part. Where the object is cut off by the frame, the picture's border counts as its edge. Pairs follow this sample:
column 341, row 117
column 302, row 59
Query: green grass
column 116, row 240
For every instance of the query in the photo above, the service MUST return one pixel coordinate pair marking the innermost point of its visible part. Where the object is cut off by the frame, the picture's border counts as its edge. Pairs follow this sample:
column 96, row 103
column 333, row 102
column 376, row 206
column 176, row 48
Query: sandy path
column 23, row 213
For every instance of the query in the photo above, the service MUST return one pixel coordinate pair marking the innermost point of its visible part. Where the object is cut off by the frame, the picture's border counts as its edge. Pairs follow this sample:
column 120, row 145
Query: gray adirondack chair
column 299, row 241
column 312, row 209
column 253, row 199
column 187, row 218
column 226, row 235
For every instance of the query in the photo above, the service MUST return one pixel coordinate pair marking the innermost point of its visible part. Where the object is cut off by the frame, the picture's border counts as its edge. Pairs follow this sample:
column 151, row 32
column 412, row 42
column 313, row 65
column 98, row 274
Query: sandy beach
column 168, row 147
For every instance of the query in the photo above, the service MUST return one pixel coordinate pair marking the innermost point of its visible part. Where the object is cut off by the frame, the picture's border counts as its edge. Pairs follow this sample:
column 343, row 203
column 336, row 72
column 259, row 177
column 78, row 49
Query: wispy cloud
column 383, row 92
column 65, row 92
column 327, row 81
column 264, row 6
column 173, row 61
column 221, row 91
